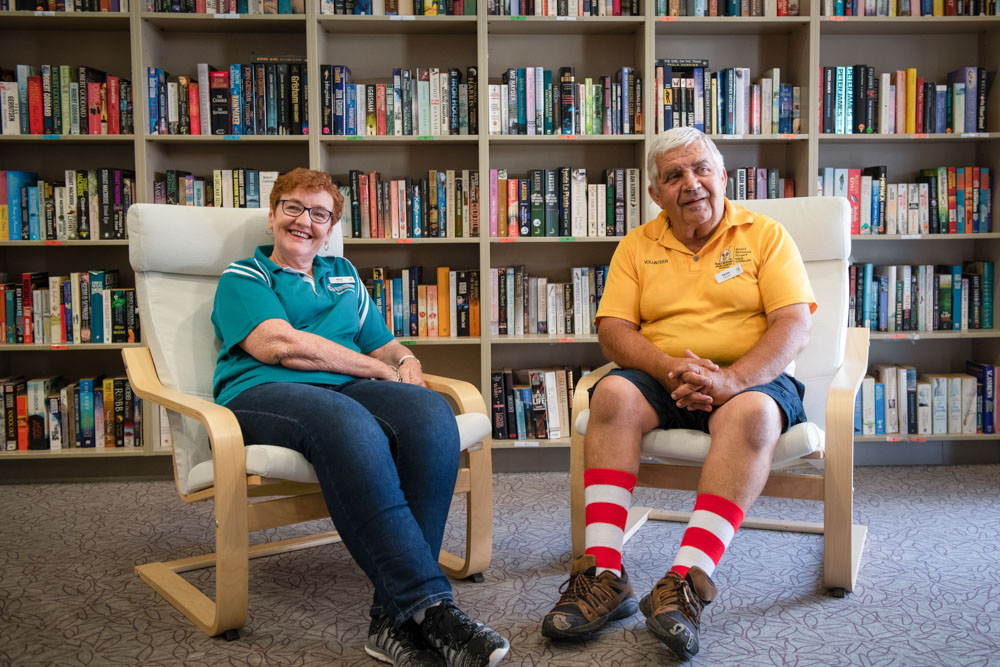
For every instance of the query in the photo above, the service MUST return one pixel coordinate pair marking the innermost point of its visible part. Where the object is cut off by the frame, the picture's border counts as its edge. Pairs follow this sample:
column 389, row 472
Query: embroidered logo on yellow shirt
column 735, row 256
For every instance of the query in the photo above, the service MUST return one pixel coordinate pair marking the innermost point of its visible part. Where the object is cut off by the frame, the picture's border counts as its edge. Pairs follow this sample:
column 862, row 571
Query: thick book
column 219, row 102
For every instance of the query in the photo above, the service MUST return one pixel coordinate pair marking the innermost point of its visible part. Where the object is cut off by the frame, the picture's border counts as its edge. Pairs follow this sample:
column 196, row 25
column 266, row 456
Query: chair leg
column 577, row 498
column 229, row 609
column 478, row 523
column 843, row 541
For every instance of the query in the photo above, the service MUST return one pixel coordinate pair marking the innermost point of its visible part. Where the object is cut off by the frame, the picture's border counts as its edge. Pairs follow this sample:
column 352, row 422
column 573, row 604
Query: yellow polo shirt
column 715, row 302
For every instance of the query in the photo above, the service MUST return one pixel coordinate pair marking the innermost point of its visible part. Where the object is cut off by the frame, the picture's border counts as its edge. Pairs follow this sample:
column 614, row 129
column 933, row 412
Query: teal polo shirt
column 332, row 303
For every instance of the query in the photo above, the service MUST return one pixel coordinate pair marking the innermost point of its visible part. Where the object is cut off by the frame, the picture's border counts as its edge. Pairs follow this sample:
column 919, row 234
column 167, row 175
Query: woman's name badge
column 731, row 272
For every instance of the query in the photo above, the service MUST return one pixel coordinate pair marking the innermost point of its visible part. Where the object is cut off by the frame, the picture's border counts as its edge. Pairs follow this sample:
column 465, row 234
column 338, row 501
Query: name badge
column 341, row 280
column 731, row 272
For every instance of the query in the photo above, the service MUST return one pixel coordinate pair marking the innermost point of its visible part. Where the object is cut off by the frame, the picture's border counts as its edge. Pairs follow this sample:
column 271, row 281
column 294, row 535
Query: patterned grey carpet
column 928, row 593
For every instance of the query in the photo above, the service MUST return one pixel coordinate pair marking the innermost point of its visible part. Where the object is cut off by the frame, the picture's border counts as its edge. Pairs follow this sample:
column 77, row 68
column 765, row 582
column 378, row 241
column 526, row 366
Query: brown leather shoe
column 589, row 601
column 673, row 610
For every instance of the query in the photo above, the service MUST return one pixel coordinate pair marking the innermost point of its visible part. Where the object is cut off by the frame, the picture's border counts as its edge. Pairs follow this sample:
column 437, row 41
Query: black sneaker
column 589, row 601
column 673, row 610
column 462, row 641
column 402, row 646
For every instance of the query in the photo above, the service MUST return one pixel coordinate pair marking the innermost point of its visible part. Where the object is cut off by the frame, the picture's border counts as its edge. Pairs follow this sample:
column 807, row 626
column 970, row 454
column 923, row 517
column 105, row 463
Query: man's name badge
column 731, row 272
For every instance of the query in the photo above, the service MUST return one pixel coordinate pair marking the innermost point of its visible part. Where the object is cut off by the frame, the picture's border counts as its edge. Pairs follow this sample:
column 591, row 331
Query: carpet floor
column 928, row 592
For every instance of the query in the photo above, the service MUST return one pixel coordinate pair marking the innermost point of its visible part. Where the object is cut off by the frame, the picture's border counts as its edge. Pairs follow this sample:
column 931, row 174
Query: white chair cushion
column 686, row 446
column 283, row 463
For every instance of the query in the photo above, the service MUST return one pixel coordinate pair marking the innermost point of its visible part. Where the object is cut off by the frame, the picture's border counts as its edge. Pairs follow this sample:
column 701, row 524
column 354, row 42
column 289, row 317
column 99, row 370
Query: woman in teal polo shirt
column 307, row 363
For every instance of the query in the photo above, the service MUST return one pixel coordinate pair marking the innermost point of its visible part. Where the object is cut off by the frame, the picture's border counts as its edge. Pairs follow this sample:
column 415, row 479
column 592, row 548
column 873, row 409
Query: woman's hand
column 410, row 371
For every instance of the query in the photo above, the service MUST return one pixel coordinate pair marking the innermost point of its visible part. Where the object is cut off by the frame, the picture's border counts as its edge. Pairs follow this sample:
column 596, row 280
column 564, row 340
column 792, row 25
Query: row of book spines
column 538, row 101
column 434, row 101
column 450, row 306
column 446, row 204
column 399, row 7
column 65, row 100
column 944, row 200
column 897, row 399
column 252, row 7
column 89, row 204
column 560, row 202
column 81, row 307
column 563, row 8
column 713, row 8
column 262, row 98
column 521, row 304
column 47, row 413
column 758, row 183
column 533, row 403
column 923, row 297
column 229, row 188
column 65, row 5
column 856, row 100
column 909, row 7
column 725, row 102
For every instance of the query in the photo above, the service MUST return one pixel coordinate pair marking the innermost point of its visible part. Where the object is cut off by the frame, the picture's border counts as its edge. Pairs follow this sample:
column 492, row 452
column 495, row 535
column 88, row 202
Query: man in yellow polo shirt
column 704, row 308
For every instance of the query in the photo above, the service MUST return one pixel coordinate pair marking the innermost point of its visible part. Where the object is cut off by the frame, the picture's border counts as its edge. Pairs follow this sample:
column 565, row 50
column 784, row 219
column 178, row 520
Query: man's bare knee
column 752, row 417
column 616, row 400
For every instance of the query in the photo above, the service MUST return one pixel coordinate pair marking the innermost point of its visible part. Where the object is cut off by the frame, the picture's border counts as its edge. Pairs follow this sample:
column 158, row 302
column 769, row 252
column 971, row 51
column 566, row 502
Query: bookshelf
column 128, row 43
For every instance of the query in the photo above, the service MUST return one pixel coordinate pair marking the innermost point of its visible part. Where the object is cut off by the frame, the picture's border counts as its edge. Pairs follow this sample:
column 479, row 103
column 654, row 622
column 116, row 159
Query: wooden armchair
column 178, row 254
column 831, row 367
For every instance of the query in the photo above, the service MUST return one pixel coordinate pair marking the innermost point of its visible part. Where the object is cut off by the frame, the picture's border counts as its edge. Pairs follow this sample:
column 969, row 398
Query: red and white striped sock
column 713, row 523
column 608, row 494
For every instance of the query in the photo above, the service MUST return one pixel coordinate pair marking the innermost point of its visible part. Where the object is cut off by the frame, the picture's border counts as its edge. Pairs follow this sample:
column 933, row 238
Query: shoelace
column 675, row 594
column 454, row 624
column 584, row 588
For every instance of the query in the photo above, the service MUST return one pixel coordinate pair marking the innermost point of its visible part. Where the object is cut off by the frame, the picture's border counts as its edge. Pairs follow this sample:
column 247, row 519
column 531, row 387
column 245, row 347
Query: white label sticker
column 731, row 272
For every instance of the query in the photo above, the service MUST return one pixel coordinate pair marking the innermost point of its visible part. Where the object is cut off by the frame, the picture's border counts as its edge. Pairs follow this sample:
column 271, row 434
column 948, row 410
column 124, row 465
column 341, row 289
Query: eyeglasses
column 295, row 209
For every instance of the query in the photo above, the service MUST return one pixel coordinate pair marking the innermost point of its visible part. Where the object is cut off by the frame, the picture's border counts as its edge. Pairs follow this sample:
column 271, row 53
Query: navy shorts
column 784, row 389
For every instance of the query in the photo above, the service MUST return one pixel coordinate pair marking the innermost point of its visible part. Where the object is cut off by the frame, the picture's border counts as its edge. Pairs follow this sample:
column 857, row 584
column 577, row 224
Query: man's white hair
column 678, row 137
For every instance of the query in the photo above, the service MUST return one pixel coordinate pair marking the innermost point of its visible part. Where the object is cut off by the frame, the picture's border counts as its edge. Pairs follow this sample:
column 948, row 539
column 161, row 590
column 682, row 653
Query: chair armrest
column 845, row 384
column 464, row 394
column 228, row 457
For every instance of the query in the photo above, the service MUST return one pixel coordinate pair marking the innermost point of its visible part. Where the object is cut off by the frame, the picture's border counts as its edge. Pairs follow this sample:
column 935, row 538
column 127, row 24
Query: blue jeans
column 386, row 455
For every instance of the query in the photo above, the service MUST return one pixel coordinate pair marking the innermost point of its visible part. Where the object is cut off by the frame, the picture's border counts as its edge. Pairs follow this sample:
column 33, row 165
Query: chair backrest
column 178, row 254
column 821, row 228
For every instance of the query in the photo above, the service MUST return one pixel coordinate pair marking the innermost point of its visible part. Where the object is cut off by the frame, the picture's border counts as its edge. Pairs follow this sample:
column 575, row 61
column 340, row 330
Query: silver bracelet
column 399, row 362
